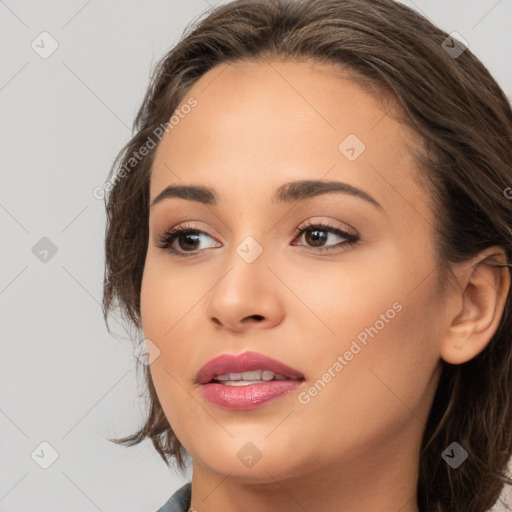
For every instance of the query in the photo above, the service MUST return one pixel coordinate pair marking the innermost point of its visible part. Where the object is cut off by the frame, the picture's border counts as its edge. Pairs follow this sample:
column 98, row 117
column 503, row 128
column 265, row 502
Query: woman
column 311, row 230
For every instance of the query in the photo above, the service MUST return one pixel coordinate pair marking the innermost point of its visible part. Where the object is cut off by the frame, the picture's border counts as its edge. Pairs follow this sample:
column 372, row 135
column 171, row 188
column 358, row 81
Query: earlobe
column 481, row 298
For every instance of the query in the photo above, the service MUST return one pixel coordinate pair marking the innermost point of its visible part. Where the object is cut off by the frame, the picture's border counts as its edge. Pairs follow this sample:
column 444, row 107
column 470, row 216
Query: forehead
column 256, row 125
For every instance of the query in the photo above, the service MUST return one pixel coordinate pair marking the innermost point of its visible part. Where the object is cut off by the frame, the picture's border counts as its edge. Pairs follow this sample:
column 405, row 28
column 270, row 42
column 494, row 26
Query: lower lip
column 250, row 396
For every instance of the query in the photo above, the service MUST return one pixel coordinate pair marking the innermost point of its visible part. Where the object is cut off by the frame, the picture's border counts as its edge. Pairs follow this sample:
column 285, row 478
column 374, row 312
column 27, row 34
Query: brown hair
column 465, row 123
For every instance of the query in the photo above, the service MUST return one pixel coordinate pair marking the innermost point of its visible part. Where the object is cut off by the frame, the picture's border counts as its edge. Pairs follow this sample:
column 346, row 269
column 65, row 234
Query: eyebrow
column 286, row 193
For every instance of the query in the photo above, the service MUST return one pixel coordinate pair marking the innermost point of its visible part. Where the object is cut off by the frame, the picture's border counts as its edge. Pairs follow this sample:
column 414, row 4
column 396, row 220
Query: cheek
column 379, row 337
column 167, row 294
column 171, row 319
column 383, row 360
column 353, row 299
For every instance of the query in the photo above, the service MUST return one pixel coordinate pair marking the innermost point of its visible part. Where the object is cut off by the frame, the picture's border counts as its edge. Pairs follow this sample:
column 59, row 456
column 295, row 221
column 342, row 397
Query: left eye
column 317, row 235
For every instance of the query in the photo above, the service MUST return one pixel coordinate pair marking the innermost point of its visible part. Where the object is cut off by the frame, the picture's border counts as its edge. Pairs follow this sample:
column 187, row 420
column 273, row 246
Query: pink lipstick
column 247, row 380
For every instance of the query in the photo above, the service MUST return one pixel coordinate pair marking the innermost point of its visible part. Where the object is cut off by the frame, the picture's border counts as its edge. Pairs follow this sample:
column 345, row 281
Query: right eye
column 187, row 237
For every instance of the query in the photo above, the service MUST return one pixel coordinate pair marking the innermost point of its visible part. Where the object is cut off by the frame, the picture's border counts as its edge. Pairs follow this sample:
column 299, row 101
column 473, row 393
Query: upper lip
column 245, row 362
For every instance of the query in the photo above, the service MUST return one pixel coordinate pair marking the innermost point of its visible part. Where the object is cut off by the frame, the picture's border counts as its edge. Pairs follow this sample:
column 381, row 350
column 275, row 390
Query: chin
column 247, row 463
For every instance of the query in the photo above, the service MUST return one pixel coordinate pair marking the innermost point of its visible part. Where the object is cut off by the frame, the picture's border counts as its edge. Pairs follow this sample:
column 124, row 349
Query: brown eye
column 317, row 236
column 188, row 240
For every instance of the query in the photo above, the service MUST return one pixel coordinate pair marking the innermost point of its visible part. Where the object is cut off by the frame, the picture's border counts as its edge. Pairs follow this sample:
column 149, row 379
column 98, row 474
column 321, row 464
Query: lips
column 245, row 362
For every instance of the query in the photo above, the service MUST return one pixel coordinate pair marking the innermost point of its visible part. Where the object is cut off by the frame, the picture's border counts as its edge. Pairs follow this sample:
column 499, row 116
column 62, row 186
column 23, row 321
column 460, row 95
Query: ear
column 477, row 305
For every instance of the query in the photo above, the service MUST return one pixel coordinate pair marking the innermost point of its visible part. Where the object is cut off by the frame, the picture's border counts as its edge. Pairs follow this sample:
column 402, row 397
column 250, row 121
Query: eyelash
column 167, row 238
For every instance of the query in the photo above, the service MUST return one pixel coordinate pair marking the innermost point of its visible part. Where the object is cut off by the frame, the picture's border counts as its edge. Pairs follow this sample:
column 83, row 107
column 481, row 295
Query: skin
column 355, row 445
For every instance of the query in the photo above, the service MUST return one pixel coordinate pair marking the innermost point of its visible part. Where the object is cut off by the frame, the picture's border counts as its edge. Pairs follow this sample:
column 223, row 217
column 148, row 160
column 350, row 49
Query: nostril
column 255, row 317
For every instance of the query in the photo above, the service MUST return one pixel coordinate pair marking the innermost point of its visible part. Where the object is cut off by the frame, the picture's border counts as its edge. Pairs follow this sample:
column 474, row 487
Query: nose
column 246, row 296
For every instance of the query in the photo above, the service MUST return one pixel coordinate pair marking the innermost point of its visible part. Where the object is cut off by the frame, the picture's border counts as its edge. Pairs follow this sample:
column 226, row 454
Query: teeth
column 252, row 377
column 240, row 382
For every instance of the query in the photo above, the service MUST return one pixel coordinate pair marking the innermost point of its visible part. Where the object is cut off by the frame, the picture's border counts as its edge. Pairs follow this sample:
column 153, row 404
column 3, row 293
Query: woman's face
column 361, row 321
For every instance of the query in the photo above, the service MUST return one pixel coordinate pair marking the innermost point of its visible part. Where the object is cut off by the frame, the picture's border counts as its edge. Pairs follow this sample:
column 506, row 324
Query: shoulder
column 179, row 501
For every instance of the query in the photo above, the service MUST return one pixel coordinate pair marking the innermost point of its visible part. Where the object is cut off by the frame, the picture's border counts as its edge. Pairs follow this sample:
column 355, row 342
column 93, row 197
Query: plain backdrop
column 66, row 384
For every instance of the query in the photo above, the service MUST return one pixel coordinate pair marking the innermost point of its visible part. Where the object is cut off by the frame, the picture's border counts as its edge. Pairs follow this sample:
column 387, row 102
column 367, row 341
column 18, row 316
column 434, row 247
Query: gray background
column 64, row 379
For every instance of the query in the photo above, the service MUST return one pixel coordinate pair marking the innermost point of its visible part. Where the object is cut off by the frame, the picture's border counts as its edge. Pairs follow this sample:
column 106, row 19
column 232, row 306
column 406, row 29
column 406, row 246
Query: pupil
column 316, row 237
column 188, row 237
